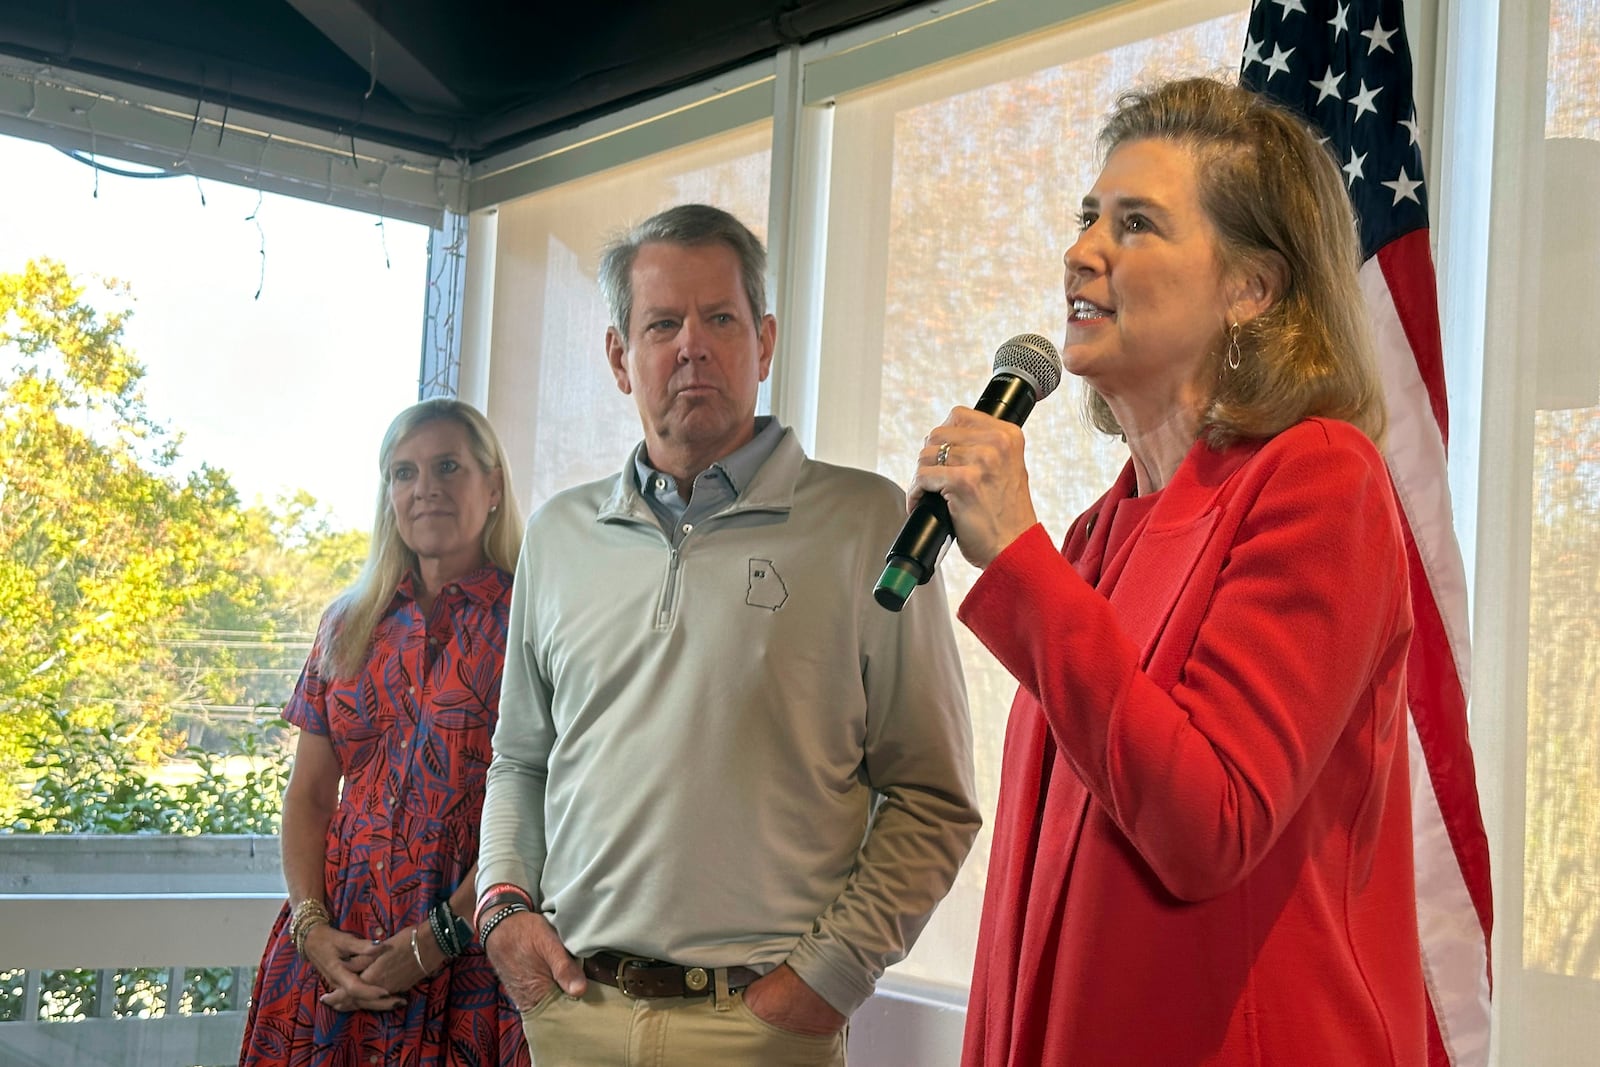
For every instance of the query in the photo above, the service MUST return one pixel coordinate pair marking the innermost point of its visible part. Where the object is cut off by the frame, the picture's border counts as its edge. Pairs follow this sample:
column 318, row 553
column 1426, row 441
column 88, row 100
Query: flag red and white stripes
column 1347, row 68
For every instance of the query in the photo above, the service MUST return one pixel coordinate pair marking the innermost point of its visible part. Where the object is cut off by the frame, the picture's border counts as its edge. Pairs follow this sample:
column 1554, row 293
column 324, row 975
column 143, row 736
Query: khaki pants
column 604, row 1028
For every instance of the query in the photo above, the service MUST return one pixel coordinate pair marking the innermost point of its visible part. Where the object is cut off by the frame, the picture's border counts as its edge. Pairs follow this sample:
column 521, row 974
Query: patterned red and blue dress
column 411, row 734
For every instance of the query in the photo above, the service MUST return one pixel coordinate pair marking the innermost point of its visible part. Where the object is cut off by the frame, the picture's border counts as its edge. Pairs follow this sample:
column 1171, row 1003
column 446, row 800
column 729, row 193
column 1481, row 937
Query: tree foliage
column 133, row 597
column 90, row 781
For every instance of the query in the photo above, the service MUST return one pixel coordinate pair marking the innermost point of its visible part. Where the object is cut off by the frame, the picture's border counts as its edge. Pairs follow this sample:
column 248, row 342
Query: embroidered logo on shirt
column 766, row 588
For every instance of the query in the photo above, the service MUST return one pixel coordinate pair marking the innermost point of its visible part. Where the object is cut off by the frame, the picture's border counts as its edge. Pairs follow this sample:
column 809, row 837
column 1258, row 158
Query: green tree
column 241, row 649
column 127, row 590
column 89, row 782
column 101, row 546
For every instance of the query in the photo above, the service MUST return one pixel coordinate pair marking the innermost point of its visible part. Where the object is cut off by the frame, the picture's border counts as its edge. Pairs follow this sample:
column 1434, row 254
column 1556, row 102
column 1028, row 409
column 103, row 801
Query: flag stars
column 1379, row 37
column 1404, row 188
column 1278, row 62
column 1252, row 52
column 1340, row 21
column 1290, row 5
column 1362, row 101
column 1412, row 129
column 1328, row 86
column 1352, row 169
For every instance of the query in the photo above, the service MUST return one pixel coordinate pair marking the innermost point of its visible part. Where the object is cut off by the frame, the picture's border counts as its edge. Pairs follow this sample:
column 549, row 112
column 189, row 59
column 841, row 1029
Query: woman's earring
column 1233, row 347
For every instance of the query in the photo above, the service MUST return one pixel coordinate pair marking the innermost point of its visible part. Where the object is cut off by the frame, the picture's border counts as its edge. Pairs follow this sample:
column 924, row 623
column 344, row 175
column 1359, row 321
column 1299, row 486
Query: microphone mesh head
column 1033, row 358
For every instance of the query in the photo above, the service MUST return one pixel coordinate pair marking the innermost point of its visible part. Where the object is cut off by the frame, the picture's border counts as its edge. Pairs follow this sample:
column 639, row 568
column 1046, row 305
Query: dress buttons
column 412, row 690
column 378, row 865
column 433, row 640
column 688, row 526
column 404, row 743
column 661, row 483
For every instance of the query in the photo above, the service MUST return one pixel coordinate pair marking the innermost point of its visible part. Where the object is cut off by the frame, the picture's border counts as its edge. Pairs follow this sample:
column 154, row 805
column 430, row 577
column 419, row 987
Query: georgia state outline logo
column 766, row 589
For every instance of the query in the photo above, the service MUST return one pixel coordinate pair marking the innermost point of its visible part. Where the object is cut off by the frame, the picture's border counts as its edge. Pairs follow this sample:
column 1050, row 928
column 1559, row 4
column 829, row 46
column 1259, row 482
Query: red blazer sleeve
column 1204, row 740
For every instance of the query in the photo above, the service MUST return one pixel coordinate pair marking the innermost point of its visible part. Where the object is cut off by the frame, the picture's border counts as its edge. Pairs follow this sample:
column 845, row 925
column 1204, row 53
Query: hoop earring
column 1233, row 347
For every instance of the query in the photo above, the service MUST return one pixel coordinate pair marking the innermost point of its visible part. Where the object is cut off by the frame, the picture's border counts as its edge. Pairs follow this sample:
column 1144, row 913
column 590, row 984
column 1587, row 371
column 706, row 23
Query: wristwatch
column 459, row 926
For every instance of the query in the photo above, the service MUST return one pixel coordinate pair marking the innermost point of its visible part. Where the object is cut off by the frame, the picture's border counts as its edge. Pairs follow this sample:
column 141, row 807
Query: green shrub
column 91, row 781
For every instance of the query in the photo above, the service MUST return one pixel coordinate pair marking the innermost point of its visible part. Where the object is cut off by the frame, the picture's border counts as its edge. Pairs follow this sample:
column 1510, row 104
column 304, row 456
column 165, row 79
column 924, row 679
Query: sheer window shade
column 954, row 193
column 1550, row 947
column 551, row 395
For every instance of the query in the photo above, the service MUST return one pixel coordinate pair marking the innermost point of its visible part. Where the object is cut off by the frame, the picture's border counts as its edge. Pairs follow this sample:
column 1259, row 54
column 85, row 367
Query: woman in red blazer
column 1203, row 848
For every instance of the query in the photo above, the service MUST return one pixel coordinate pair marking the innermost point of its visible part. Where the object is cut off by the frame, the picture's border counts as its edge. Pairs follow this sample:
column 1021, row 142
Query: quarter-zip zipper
column 669, row 592
column 667, row 603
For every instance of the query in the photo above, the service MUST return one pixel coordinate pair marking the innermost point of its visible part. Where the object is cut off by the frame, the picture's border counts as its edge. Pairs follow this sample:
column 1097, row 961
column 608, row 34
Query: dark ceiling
column 464, row 78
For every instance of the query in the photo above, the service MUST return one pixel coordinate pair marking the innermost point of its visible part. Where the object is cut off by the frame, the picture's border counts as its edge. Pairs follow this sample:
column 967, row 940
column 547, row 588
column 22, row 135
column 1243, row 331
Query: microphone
column 1027, row 369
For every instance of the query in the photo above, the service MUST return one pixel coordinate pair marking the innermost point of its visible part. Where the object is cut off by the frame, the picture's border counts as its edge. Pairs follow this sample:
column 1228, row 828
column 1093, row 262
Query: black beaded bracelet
column 453, row 933
column 496, row 919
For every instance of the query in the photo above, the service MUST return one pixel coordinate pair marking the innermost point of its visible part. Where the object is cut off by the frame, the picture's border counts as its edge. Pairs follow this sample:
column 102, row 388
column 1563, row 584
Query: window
column 279, row 336
column 273, row 339
column 1549, row 965
column 153, row 602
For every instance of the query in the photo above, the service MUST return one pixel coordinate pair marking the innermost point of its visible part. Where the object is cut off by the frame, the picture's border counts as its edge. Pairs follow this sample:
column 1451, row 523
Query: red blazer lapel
column 1165, row 561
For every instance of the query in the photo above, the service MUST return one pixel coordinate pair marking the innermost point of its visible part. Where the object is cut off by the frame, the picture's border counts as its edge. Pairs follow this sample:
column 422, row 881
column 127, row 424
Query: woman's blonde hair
column 347, row 627
column 1278, row 204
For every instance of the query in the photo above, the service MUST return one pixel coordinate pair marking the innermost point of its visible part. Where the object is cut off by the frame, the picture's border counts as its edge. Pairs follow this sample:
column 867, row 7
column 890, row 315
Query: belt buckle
column 622, row 965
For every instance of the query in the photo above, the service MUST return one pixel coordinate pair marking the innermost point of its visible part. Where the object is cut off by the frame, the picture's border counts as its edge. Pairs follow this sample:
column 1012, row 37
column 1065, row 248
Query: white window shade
column 550, row 392
column 1536, row 714
column 953, row 194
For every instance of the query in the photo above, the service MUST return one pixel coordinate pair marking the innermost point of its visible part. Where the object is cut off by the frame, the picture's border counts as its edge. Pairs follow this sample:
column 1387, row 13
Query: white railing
column 111, row 904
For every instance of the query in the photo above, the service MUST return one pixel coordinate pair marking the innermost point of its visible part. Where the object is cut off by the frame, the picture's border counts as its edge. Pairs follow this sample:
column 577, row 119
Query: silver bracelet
column 417, row 954
column 496, row 919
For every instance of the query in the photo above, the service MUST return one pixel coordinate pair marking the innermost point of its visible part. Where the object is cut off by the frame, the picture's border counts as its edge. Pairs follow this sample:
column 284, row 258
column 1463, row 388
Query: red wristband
column 499, row 893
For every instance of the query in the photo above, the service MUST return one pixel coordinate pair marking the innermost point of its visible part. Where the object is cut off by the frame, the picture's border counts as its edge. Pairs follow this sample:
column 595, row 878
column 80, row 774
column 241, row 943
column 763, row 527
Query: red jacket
column 1202, row 853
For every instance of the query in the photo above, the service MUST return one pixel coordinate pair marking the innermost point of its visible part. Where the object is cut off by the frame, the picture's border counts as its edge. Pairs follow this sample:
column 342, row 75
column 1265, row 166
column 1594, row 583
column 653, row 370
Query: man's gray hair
column 686, row 224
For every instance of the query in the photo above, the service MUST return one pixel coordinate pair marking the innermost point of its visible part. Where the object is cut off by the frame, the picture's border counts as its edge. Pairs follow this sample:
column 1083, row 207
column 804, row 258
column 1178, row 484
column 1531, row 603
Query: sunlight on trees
column 134, row 603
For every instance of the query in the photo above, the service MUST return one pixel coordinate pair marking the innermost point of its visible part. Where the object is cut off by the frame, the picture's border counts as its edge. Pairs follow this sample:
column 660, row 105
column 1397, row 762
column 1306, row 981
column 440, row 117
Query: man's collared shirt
column 714, row 488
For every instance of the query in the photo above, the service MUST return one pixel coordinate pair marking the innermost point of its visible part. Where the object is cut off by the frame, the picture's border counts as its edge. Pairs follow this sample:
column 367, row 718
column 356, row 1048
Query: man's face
column 694, row 356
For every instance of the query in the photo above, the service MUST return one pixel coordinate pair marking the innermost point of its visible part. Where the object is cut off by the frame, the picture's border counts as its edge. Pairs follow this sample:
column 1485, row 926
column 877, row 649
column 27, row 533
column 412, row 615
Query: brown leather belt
column 640, row 976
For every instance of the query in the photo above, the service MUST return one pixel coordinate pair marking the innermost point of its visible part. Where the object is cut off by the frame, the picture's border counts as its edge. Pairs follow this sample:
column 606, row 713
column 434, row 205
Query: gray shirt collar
column 714, row 488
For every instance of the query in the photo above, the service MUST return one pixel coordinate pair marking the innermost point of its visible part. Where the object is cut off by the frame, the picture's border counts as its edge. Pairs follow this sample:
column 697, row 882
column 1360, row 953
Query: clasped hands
column 364, row 975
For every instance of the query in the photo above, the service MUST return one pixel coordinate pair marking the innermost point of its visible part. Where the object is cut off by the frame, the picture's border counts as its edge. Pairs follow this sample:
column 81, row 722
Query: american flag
column 1347, row 68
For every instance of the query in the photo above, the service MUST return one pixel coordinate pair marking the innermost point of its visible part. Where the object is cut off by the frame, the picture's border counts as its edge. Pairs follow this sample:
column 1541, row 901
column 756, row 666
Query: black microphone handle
column 927, row 530
column 1008, row 398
